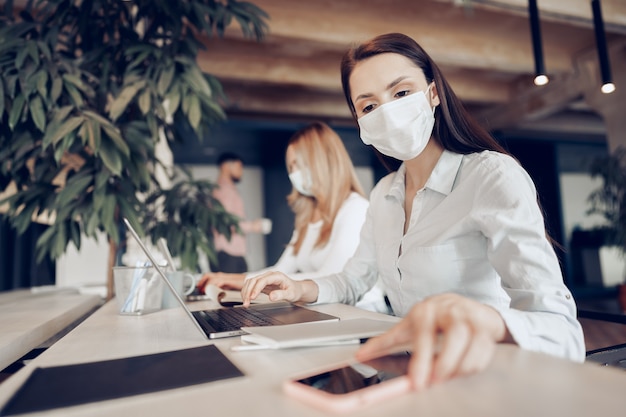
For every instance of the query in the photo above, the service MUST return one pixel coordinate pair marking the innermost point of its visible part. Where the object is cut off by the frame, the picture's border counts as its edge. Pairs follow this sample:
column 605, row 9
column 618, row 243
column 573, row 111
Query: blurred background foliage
column 609, row 200
column 87, row 90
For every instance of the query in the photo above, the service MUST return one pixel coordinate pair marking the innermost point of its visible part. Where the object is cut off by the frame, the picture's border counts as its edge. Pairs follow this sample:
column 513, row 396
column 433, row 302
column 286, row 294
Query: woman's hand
column 449, row 336
column 278, row 286
column 221, row 280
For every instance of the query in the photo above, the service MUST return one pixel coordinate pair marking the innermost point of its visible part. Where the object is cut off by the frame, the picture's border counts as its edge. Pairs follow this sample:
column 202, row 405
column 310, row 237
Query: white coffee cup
column 183, row 282
column 266, row 226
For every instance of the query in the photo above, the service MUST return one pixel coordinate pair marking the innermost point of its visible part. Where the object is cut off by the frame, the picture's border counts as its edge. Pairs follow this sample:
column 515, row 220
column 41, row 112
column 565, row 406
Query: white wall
column 575, row 189
column 366, row 178
column 87, row 268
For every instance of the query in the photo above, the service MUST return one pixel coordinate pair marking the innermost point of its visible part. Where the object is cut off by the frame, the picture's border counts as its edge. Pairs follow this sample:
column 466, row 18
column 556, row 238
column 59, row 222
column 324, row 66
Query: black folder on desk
column 64, row 386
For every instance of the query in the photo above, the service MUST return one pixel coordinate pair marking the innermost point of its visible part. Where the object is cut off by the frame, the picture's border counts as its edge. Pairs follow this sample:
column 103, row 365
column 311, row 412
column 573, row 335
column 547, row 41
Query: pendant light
column 603, row 54
column 541, row 78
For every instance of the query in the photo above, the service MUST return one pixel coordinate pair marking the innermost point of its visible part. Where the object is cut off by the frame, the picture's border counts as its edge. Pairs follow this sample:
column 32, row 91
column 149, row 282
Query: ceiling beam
column 480, row 40
column 484, row 50
column 293, row 101
column 534, row 103
column 246, row 61
column 572, row 12
column 540, row 102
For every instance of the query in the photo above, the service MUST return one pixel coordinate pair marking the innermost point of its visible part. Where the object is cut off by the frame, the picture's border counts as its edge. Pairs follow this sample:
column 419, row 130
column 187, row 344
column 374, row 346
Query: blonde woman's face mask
column 301, row 181
column 299, row 176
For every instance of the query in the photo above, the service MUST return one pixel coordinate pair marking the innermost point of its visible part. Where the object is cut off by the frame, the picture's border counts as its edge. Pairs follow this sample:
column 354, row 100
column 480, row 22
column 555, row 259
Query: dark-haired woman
column 455, row 234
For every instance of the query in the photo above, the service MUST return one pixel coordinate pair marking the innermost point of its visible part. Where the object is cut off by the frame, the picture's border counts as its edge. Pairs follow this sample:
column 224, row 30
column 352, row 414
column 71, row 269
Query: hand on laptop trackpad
column 230, row 303
column 227, row 298
column 231, row 298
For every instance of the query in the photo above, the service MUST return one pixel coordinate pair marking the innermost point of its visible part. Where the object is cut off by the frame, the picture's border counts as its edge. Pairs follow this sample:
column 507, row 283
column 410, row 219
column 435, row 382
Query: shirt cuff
column 324, row 291
column 516, row 326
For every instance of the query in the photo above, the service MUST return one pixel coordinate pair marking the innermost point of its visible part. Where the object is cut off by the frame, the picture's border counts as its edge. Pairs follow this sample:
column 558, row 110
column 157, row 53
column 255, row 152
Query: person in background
column 329, row 207
column 231, row 254
column 456, row 233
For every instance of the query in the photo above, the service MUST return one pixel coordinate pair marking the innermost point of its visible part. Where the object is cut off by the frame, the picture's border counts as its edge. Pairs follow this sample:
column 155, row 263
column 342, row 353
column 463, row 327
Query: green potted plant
column 609, row 201
column 87, row 89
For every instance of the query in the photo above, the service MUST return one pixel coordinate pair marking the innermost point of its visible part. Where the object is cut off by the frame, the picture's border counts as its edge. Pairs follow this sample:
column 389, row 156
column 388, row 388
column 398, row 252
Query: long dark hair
column 454, row 129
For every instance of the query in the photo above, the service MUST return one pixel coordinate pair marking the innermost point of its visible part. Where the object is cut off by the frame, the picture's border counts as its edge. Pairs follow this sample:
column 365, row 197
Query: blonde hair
column 320, row 149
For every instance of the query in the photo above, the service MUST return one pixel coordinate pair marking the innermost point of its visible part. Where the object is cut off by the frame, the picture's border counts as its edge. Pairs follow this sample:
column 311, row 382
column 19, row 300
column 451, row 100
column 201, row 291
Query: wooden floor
column 603, row 322
column 600, row 334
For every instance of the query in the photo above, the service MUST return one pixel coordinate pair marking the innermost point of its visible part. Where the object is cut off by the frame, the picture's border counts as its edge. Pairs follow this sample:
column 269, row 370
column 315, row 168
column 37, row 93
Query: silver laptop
column 228, row 321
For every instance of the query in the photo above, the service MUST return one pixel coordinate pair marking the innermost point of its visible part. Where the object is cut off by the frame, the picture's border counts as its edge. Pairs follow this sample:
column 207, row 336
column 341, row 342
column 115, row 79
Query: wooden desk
column 517, row 383
column 29, row 318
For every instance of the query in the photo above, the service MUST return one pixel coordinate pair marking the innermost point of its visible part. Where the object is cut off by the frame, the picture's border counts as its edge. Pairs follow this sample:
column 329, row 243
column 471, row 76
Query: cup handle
column 192, row 283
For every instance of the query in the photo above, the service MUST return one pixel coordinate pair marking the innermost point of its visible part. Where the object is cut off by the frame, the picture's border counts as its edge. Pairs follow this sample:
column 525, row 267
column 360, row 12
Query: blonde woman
column 329, row 207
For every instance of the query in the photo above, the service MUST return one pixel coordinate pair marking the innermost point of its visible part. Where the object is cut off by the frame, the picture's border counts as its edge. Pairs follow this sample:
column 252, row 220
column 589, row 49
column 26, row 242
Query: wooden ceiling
column 483, row 47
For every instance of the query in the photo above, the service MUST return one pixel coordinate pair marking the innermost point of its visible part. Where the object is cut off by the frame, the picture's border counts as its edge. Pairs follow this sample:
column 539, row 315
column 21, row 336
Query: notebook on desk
column 69, row 385
column 228, row 321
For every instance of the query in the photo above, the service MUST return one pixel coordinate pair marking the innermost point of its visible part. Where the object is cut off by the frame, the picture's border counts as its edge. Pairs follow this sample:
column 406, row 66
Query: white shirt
column 312, row 262
column 475, row 229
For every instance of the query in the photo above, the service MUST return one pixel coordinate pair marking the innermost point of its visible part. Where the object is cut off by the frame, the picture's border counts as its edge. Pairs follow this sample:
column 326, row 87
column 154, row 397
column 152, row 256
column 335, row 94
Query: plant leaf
column 16, row 111
column 75, row 186
column 194, row 113
column 119, row 105
column 2, row 98
column 144, row 101
column 196, row 81
column 108, row 217
column 74, row 94
column 117, row 139
column 111, row 157
column 33, row 51
column 174, row 99
column 75, row 233
column 77, row 82
column 37, row 113
column 52, row 136
column 60, row 241
column 57, row 88
column 165, row 80
column 22, row 53
column 41, row 81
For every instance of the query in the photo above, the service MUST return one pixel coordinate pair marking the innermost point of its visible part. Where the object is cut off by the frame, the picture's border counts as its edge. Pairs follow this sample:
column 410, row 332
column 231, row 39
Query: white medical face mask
column 401, row 128
column 301, row 181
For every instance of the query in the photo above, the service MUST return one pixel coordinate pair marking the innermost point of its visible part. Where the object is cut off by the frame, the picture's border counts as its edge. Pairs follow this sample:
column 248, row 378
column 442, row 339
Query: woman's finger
column 477, row 355
column 424, row 347
column 386, row 343
column 455, row 339
column 246, row 290
column 255, row 286
column 202, row 282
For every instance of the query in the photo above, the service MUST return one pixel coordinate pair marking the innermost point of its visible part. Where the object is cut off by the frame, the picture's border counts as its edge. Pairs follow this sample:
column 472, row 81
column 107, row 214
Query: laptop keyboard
column 234, row 318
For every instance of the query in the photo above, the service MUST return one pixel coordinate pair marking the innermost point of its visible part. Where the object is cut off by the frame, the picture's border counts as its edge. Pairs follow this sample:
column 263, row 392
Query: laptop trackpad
column 290, row 314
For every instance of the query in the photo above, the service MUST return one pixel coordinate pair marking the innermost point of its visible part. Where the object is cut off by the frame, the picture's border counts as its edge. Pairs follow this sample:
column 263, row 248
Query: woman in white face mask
column 455, row 234
column 329, row 207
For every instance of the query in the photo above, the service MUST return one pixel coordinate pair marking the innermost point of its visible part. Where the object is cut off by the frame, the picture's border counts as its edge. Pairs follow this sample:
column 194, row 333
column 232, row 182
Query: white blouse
column 312, row 262
column 475, row 229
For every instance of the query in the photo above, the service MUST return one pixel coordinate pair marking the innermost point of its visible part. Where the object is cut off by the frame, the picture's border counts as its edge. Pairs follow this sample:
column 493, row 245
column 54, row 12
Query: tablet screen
column 359, row 375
